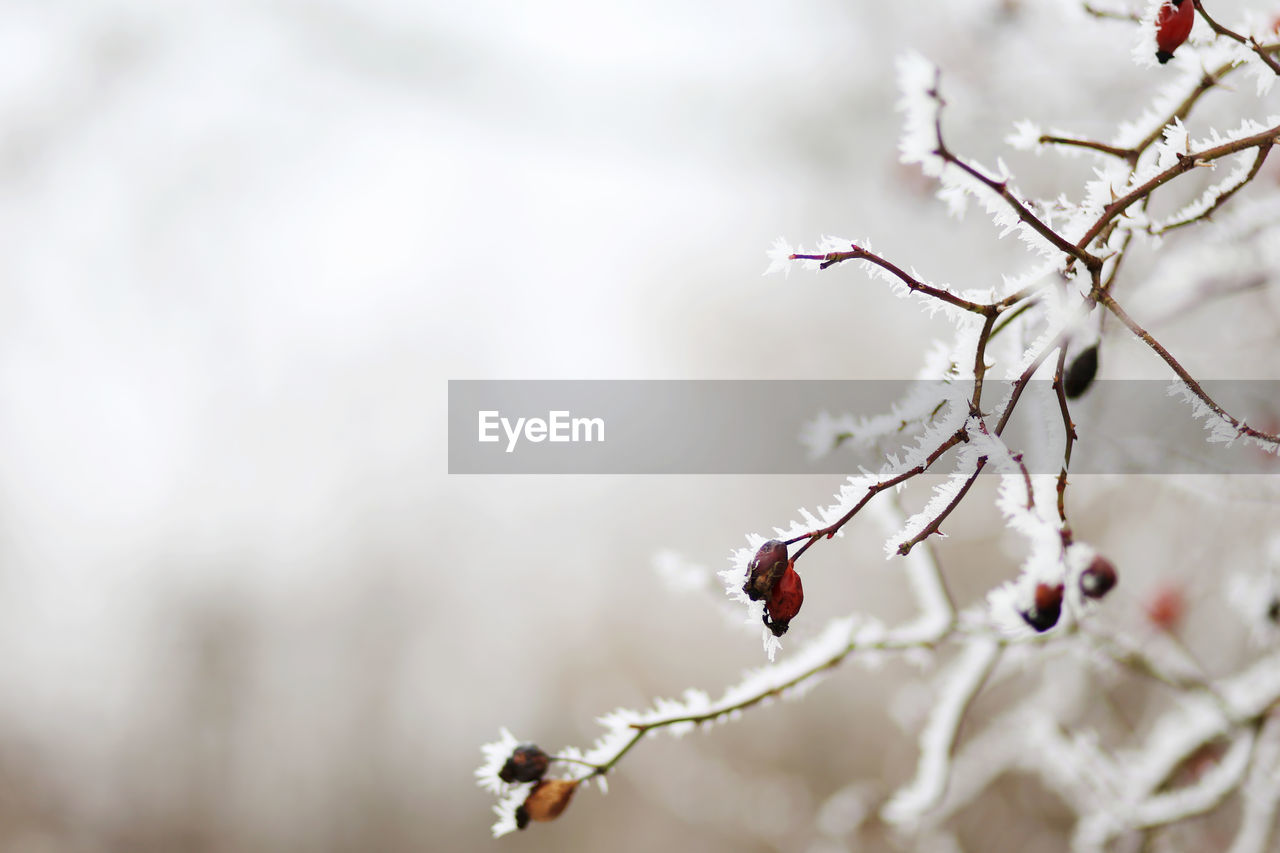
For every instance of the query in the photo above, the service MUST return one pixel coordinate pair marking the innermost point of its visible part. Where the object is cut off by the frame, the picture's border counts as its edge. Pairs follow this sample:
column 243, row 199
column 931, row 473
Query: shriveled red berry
column 1045, row 608
column 1098, row 579
column 1080, row 373
column 764, row 569
column 1166, row 607
column 1173, row 25
column 784, row 601
column 548, row 799
column 526, row 764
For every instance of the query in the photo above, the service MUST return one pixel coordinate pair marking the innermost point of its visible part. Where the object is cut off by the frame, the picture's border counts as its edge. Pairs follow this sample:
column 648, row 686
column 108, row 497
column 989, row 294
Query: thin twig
column 1261, row 50
column 1126, row 154
column 860, row 254
column 873, row 490
column 1069, row 429
column 1263, row 150
column 1142, row 334
column 1186, row 162
column 1001, row 188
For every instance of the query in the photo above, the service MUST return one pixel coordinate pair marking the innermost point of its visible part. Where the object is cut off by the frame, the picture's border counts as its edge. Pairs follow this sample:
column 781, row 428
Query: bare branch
column 1185, row 163
column 1240, row 426
column 1128, row 154
column 1262, row 51
column 1223, row 197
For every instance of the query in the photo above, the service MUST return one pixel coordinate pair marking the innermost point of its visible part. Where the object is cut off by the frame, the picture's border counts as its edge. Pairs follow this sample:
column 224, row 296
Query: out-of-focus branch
column 1111, row 14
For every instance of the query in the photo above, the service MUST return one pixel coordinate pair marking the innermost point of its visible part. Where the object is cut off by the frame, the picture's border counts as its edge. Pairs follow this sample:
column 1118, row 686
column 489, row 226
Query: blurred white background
column 242, row 604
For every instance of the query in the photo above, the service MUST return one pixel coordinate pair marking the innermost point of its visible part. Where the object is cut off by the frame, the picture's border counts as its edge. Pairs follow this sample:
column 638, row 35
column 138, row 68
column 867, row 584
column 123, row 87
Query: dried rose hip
column 784, row 601
column 546, row 801
column 1098, row 579
column 1045, row 609
column 764, row 570
column 526, row 764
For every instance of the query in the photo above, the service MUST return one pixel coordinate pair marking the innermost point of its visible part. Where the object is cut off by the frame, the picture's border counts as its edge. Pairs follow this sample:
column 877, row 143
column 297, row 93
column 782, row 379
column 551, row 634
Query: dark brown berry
column 1098, row 579
column 1047, row 607
column 526, row 764
column 764, row 569
column 1273, row 610
column 1080, row 373
column 522, row 817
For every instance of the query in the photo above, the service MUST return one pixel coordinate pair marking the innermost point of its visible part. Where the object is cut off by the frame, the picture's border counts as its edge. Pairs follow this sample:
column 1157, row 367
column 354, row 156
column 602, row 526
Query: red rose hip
column 1173, row 25
column 784, row 601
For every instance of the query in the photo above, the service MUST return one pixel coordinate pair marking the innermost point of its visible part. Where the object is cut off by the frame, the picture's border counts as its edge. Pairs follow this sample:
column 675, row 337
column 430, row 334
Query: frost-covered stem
column 1240, row 426
column 1120, row 255
column 1026, row 479
column 938, row 740
column 1207, row 82
column 1262, row 50
column 925, row 573
column 1206, row 795
column 617, row 756
column 980, row 364
column 1263, row 151
column 888, row 644
column 569, row 760
column 873, row 490
column 1001, row 188
column 1069, row 429
column 1259, row 794
column 1111, row 14
column 1186, row 162
column 1025, row 378
column 936, row 523
column 1006, row 319
column 860, row 254
column 1129, row 155
column 1017, row 460
column 1133, row 659
column 776, row 690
